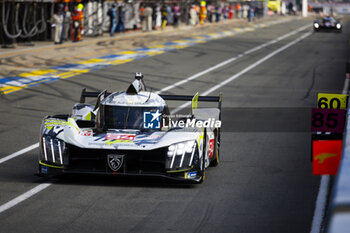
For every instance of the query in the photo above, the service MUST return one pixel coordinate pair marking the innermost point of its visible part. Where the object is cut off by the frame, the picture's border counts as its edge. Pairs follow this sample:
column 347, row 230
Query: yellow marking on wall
column 157, row 46
column 37, row 73
column 126, row 53
column 227, row 33
column 199, row 41
column 250, row 29
column 118, row 62
column 154, row 53
column 91, row 61
column 181, row 46
column 180, row 41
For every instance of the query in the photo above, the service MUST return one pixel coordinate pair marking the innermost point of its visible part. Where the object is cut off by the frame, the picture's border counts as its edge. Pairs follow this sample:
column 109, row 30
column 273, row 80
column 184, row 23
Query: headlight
column 181, row 154
column 338, row 26
column 316, row 25
column 52, row 149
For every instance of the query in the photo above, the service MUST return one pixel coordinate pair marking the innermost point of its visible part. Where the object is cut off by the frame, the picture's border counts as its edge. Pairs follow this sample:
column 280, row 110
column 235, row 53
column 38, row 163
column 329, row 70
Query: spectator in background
column 225, row 12
column 121, row 19
column 245, row 11
column 217, row 13
column 209, row 13
column 170, row 12
column 67, row 19
column 250, row 14
column 238, row 10
column 158, row 14
column 112, row 13
column 177, row 15
column 230, row 11
column 193, row 16
column 142, row 17
column 147, row 14
column 57, row 22
column 164, row 17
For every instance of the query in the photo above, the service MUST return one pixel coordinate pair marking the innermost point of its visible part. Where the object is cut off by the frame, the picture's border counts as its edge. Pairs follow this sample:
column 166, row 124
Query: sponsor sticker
column 190, row 175
column 85, row 133
column 122, row 137
column 44, row 169
column 151, row 120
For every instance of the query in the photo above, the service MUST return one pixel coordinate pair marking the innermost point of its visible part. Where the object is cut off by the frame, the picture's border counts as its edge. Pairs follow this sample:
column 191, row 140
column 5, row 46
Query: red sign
column 328, row 120
column 326, row 156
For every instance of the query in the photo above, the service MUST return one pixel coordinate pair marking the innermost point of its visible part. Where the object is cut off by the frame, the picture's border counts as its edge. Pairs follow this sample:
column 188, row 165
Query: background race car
column 328, row 23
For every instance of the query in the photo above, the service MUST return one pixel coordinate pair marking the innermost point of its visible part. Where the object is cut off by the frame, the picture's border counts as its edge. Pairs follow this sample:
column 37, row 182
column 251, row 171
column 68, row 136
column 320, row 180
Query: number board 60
column 332, row 101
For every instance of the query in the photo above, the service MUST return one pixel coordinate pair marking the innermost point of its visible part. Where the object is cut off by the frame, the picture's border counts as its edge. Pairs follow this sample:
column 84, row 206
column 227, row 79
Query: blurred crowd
column 155, row 16
column 148, row 17
column 63, row 20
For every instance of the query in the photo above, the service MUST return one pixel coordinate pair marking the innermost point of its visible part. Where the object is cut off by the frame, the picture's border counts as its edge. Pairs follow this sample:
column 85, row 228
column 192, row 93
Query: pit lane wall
column 338, row 220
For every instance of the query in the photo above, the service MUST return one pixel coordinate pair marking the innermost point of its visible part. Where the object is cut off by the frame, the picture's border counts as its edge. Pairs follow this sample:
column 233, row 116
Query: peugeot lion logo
column 115, row 162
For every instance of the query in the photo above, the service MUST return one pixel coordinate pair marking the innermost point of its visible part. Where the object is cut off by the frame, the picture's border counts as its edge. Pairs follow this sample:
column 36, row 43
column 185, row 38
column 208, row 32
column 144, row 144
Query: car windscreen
column 328, row 20
column 120, row 117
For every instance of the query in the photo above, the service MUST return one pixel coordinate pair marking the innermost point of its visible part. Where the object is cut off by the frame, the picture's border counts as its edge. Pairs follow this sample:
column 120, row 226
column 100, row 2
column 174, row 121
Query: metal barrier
column 339, row 205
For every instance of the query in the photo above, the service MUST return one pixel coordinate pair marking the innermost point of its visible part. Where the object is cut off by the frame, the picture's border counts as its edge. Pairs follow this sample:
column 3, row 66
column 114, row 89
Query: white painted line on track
column 232, row 59
column 320, row 205
column 25, row 150
column 24, row 196
column 252, row 66
column 43, row 186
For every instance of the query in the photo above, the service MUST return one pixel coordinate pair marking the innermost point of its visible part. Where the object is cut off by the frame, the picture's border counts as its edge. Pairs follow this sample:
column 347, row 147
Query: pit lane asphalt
column 264, row 181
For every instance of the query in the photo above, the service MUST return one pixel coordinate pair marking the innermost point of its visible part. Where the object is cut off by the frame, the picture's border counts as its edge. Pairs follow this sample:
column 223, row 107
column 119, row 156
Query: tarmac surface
column 264, row 182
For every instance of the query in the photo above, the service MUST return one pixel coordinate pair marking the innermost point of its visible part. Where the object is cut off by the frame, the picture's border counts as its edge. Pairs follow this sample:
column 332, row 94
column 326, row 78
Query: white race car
column 132, row 132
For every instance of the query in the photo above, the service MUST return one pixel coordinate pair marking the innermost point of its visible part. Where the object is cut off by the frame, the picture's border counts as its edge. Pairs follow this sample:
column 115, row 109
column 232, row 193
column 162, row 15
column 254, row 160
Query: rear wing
column 194, row 99
column 89, row 94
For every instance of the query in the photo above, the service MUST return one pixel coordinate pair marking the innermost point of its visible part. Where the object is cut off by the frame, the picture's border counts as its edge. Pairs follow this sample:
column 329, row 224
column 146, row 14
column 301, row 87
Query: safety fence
column 338, row 214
